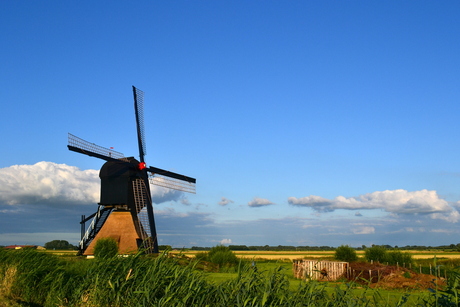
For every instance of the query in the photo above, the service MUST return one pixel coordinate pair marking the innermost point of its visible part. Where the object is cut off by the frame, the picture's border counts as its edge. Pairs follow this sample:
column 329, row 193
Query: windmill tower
column 125, row 211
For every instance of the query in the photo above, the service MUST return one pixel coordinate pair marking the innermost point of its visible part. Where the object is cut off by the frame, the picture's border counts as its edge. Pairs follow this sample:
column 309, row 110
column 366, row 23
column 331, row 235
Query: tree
column 345, row 253
column 59, row 244
column 106, row 248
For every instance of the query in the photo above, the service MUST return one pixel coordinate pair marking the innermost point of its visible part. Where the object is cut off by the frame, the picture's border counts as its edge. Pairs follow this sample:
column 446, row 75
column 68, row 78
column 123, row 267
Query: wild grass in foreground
column 39, row 279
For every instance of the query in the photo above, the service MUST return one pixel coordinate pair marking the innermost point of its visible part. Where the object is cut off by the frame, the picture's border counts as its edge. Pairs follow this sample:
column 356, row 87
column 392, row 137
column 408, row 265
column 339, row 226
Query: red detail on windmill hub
column 142, row 166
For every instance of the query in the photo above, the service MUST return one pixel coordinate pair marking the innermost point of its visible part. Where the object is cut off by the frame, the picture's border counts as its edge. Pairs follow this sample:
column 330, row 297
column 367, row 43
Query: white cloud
column 226, row 241
column 317, row 202
column 395, row 201
column 225, row 201
column 12, row 211
column 259, row 202
column 364, row 230
column 452, row 217
column 48, row 183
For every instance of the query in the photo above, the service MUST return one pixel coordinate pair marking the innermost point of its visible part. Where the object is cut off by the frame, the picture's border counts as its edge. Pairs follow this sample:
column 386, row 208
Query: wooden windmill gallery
column 125, row 211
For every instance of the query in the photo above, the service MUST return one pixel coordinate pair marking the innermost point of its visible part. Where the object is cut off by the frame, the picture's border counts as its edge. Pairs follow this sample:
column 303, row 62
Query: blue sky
column 304, row 122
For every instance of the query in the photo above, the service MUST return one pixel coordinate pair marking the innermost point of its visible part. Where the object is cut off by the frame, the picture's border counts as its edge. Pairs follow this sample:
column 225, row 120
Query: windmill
column 125, row 211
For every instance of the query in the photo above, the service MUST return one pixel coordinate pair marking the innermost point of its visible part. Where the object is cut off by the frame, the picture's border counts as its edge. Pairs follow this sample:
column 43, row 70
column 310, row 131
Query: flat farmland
column 290, row 255
column 61, row 252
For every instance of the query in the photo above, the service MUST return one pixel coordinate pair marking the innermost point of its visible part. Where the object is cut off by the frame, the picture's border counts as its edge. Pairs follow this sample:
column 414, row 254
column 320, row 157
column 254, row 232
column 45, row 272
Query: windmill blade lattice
column 139, row 111
column 79, row 145
column 171, row 183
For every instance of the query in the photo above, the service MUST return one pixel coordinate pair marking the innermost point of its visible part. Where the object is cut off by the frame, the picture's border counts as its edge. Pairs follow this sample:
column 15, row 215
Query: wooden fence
column 320, row 270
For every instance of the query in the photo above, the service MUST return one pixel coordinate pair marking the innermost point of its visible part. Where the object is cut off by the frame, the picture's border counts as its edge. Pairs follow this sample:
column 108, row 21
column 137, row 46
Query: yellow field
column 290, row 255
column 61, row 252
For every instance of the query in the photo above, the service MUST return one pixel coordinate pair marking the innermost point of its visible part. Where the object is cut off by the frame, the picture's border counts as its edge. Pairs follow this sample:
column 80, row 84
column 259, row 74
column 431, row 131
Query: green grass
column 218, row 278
column 267, row 267
column 40, row 279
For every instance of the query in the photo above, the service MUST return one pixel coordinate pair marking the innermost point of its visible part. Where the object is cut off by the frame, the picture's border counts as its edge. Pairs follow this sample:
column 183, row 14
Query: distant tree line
column 269, row 248
column 65, row 245
column 451, row 247
column 60, row 245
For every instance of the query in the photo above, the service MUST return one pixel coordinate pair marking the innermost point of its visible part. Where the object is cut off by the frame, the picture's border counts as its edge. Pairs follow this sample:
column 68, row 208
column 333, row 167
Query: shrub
column 345, row 253
column 201, row 256
column 398, row 257
column 222, row 256
column 106, row 248
column 376, row 253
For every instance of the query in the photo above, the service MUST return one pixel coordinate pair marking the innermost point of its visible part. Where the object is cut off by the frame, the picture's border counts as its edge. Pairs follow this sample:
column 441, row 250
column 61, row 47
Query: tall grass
column 41, row 279
column 106, row 248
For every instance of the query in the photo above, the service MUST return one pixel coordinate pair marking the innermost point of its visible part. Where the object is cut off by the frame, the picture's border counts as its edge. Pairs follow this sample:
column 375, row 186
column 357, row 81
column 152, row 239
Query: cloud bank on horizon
column 51, row 196
column 399, row 201
column 52, row 184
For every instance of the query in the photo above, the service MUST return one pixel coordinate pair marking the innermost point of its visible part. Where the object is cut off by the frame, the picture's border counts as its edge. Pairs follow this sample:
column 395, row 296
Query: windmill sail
column 79, row 145
column 139, row 111
column 171, row 183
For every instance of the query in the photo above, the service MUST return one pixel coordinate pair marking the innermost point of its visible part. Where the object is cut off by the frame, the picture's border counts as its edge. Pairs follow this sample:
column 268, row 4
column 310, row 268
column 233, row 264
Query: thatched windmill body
column 125, row 211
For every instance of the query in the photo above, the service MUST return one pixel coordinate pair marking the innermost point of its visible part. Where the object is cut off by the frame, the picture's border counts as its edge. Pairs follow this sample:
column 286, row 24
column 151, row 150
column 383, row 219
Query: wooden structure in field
column 320, row 270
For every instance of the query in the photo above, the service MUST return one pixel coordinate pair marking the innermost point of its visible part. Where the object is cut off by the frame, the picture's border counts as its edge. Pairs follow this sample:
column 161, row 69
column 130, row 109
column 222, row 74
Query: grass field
column 61, row 252
column 268, row 266
column 31, row 278
column 291, row 255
